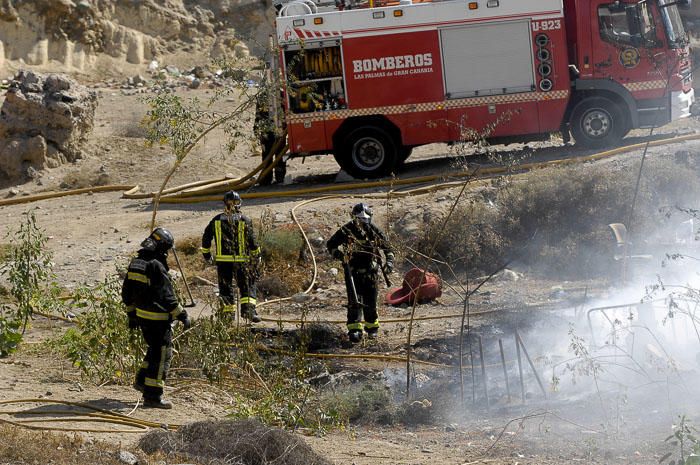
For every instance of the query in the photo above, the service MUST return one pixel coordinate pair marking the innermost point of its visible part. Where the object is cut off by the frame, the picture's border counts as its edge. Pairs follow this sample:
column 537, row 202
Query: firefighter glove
column 184, row 318
column 257, row 267
column 338, row 254
column 133, row 320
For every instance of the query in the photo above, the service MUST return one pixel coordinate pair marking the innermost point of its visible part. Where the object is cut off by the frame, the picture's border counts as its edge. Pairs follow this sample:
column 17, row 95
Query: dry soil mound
column 241, row 442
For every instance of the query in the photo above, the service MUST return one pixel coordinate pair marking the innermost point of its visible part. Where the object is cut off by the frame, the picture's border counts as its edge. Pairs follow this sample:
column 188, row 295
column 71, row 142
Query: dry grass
column 556, row 220
column 20, row 446
column 242, row 442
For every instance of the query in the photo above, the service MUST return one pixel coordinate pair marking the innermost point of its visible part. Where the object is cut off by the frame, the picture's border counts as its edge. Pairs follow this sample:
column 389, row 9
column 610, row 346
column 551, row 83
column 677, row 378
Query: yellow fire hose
column 221, row 185
column 388, row 320
column 130, row 190
column 55, row 195
column 95, row 414
column 482, row 173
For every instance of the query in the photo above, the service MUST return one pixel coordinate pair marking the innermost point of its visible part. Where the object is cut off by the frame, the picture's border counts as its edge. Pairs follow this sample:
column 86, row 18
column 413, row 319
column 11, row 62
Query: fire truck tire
column 367, row 152
column 598, row 122
column 404, row 153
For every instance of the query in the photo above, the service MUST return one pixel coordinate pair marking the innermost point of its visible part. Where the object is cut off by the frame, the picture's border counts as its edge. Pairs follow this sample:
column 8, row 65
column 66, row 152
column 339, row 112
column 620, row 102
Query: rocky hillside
column 112, row 35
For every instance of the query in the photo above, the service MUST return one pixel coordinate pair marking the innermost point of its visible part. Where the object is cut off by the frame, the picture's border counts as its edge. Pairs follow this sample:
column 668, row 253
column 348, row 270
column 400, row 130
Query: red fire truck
column 368, row 84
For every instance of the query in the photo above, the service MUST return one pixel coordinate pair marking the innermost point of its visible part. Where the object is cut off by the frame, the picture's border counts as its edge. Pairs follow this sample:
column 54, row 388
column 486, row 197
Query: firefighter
column 357, row 244
column 265, row 131
column 236, row 254
column 151, row 304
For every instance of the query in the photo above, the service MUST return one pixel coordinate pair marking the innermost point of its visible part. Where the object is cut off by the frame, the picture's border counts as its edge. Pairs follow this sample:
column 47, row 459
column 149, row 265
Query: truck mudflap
column 683, row 104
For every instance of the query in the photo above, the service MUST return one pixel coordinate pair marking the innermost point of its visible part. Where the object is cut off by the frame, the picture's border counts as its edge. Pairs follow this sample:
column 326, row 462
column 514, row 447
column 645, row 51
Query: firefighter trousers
column 154, row 369
column 366, row 288
column 245, row 280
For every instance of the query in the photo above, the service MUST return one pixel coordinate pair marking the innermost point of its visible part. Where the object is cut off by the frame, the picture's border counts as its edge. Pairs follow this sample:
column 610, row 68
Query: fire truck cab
column 368, row 82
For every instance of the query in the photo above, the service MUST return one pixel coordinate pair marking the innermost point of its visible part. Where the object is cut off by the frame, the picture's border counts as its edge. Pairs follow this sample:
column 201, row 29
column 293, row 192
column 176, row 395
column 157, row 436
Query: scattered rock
column 127, row 458
column 333, row 271
column 138, row 79
column 317, row 241
column 509, row 275
column 172, row 70
column 199, row 72
column 195, row 84
column 300, row 298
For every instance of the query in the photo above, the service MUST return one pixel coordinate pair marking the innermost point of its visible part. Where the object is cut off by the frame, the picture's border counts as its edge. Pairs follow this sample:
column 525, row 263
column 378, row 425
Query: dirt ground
column 90, row 234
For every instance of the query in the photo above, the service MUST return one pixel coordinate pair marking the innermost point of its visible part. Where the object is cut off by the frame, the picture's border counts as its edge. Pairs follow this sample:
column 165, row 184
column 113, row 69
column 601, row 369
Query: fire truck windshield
column 675, row 32
column 628, row 24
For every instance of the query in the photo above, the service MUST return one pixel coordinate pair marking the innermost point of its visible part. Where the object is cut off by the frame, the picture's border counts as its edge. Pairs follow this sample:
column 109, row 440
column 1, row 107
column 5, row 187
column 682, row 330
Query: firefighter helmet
column 161, row 240
column 232, row 197
column 362, row 213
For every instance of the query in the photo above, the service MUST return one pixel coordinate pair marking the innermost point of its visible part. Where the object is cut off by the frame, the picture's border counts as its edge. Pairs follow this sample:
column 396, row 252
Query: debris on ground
column 247, row 442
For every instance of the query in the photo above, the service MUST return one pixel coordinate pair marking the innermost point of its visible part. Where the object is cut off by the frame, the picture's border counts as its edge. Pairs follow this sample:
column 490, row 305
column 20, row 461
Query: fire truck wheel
column 404, row 153
column 597, row 122
column 368, row 152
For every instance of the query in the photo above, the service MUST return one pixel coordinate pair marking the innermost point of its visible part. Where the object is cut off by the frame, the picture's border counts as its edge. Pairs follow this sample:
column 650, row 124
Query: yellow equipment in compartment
column 322, row 62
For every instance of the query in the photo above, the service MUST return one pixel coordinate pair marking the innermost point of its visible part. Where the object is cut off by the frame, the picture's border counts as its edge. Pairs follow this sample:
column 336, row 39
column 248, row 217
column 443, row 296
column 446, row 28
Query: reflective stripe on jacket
column 148, row 290
column 233, row 236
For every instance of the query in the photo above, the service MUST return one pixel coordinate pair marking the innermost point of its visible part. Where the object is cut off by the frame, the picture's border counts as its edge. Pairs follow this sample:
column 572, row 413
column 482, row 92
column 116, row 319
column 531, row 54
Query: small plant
column 27, row 267
column 29, row 270
column 207, row 346
column 101, row 345
column 10, row 335
column 282, row 244
column 685, row 438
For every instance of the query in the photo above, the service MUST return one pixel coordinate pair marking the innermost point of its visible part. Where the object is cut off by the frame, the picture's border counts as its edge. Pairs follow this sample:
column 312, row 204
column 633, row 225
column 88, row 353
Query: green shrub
column 27, row 269
column 363, row 404
column 556, row 219
column 282, row 244
column 207, row 346
column 10, row 335
column 101, row 345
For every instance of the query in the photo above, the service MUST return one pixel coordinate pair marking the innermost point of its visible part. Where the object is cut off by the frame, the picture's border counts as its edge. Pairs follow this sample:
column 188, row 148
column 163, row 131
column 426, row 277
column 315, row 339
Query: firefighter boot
column 138, row 386
column 355, row 336
column 252, row 315
column 372, row 333
column 157, row 402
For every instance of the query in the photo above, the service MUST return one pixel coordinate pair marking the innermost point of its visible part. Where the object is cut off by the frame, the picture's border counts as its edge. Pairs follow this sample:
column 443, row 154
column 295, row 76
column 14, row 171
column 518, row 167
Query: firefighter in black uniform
column 265, row 131
column 361, row 242
column 151, row 304
column 236, row 254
